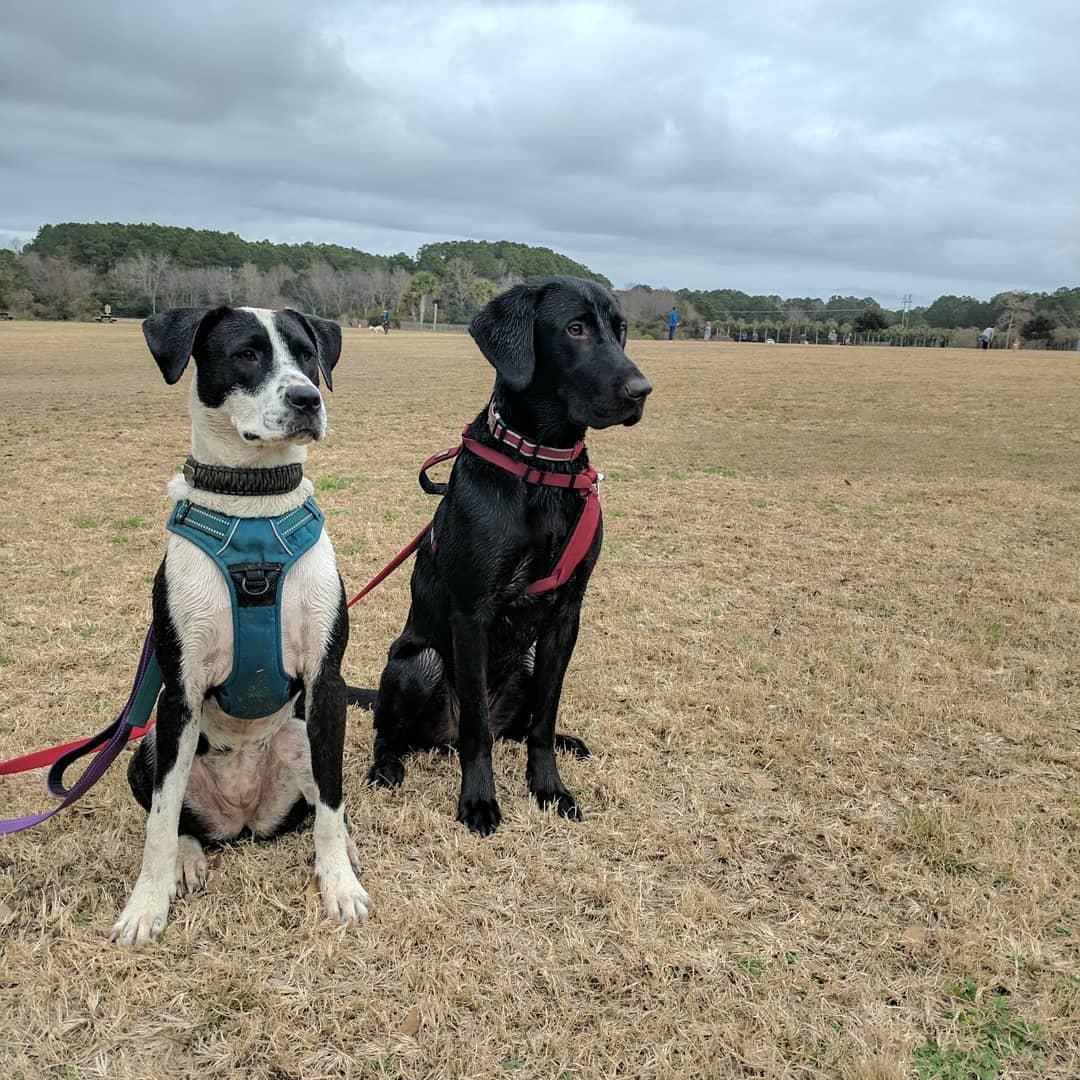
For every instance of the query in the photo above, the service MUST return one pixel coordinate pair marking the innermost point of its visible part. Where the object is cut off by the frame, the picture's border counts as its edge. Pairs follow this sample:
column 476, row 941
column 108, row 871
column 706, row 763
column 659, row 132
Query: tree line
column 69, row 270
column 1031, row 317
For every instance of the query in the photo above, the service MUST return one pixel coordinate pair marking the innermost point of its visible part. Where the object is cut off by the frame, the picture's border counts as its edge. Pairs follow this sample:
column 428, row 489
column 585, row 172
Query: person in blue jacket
column 672, row 323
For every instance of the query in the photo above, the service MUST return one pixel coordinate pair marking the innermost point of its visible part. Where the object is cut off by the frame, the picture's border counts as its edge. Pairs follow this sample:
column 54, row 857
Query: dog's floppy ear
column 504, row 332
column 327, row 337
column 171, row 337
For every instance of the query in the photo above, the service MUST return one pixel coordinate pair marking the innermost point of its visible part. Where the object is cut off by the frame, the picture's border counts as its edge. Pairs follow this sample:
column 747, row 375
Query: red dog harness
column 586, row 483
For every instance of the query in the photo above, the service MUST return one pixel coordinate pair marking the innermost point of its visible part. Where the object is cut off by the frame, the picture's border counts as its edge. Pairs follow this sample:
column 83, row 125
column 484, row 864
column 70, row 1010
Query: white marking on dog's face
column 255, row 387
column 286, row 405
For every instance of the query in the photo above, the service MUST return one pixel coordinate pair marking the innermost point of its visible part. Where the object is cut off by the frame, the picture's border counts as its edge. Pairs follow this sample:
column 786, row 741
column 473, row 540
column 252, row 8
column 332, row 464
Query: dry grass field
column 829, row 669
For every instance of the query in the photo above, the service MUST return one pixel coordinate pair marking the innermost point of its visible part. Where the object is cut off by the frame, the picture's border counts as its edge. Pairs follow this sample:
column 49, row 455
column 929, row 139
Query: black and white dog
column 480, row 656
column 204, row 776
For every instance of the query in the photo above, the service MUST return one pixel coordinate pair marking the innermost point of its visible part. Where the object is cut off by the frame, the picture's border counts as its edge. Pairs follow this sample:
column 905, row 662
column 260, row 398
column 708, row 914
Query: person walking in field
column 708, row 330
column 385, row 321
column 986, row 338
column 672, row 323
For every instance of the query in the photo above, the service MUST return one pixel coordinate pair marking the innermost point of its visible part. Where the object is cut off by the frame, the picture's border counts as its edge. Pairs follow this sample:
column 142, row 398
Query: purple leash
column 135, row 713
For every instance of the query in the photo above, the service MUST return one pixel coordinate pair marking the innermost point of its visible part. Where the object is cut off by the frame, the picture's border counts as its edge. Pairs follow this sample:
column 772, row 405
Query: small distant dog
column 230, row 756
column 481, row 656
column 375, row 329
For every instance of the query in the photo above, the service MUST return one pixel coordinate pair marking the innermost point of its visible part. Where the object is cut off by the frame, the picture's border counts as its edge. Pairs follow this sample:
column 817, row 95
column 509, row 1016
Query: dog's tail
column 358, row 695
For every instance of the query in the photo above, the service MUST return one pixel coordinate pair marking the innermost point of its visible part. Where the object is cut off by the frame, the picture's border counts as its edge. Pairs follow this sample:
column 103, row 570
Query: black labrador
column 478, row 658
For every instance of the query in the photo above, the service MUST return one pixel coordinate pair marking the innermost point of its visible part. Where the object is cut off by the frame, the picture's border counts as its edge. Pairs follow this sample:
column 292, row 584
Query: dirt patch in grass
column 828, row 668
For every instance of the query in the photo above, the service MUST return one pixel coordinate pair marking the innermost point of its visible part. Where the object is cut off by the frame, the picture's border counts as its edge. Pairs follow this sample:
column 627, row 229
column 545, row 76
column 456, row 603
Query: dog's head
column 256, row 371
column 564, row 339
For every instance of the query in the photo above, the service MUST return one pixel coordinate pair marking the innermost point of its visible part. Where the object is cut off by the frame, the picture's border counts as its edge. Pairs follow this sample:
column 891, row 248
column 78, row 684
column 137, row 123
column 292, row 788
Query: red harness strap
column 577, row 546
column 585, row 482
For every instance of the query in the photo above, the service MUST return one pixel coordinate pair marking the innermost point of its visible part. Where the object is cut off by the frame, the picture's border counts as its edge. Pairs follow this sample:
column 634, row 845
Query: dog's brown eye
column 575, row 329
column 245, row 354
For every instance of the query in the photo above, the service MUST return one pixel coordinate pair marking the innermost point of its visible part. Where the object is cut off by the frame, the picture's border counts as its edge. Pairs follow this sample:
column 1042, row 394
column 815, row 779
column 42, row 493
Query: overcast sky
column 874, row 148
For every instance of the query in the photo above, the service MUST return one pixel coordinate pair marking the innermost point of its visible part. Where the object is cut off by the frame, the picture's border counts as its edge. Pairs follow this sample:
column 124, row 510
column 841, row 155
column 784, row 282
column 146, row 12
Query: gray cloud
column 819, row 147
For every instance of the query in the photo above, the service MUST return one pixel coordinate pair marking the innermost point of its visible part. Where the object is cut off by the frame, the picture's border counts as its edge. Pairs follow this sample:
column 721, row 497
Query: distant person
column 986, row 338
column 386, row 322
column 708, row 330
column 672, row 323
column 803, row 339
column 848, row 340
column 742, row 335
column 832, row 337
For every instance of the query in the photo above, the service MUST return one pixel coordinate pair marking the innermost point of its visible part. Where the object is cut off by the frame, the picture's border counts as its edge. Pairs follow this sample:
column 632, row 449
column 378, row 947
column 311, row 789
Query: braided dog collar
column 224, row 480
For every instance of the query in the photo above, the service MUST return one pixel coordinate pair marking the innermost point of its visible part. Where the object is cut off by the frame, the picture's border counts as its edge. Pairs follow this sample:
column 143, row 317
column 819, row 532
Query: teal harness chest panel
column 253, row 555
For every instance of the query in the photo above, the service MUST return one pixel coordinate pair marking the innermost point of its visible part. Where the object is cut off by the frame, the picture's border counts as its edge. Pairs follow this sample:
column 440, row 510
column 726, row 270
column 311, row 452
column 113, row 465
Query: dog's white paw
column 191, row 866
column 344, row 898
column 144, row 916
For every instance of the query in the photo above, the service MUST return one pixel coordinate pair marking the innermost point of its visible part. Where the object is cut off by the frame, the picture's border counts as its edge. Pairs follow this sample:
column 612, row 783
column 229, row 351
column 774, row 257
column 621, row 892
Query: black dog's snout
column 303, row 398
column 638, row 387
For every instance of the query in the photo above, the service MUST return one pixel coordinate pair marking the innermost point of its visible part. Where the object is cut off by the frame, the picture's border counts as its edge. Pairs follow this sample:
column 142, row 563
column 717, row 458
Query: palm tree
column 481, row 291
column 423, row 285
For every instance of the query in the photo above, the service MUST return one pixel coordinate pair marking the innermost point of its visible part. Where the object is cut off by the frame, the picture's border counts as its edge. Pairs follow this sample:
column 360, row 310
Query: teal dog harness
column 253, row 555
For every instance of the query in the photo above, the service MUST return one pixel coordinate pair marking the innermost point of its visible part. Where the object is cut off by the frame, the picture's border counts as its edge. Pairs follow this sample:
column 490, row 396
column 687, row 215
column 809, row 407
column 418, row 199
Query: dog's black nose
column 638, row 387
column 303, row 397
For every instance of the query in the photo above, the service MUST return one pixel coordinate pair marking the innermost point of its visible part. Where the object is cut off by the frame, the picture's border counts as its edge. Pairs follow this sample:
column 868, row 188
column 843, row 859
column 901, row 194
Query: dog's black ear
column 171, row 337
column 504, row 332
column 327, row 337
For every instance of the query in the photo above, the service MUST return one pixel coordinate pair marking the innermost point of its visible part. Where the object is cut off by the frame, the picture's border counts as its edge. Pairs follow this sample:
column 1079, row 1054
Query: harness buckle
column 597, row 482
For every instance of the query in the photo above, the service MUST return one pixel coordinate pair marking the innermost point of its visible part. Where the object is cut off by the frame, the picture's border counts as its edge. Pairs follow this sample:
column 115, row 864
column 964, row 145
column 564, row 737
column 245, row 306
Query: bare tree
column 319, row 290
column 183, row 287
column 223, row 285
column 459, row 280
column 63, row 288
column 640, row 304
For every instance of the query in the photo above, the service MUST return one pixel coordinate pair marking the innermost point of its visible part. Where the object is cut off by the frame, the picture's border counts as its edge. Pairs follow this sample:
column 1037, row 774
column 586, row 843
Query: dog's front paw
column 344, row 898
column 562, row 800
column 571, row 744
column 479, row 815
column 387, row 772
column 144, row 916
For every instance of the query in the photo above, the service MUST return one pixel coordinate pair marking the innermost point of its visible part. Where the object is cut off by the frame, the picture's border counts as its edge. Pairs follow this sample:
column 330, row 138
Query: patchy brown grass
column 828, row 668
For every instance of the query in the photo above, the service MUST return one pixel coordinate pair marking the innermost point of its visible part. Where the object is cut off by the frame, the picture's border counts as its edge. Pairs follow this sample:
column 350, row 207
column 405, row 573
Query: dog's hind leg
column 411, row 713
column 571, row 744
column 191, row 864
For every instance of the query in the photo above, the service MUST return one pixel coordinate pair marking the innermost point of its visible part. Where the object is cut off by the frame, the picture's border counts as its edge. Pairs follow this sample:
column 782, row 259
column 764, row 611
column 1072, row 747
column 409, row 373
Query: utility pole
column 907, row 310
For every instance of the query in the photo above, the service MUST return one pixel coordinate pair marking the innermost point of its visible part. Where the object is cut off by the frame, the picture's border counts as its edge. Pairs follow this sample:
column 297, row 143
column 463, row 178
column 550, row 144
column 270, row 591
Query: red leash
column 40, row 758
